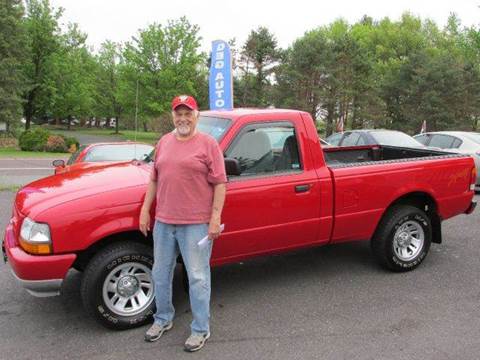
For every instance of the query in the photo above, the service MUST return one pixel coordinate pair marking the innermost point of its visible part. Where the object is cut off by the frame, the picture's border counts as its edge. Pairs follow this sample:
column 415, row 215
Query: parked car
column 92, row 154
column 280, row 197
column 324, row 143
column 463, row 142
column 373, row 137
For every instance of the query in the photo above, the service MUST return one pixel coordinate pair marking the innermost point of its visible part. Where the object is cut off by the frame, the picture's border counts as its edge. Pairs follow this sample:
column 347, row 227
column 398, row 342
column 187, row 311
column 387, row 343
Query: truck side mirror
column 58, row 163
column 232, row 167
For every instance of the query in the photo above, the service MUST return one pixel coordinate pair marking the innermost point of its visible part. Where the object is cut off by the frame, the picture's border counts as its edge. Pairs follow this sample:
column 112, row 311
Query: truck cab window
column 266, row 150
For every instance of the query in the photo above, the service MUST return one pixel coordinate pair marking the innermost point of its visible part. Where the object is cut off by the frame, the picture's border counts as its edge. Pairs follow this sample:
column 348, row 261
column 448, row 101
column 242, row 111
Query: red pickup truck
column 284, row 193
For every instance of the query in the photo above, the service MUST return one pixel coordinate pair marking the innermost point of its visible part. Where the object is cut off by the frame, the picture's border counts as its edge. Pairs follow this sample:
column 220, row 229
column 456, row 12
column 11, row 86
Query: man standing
column 188, row 182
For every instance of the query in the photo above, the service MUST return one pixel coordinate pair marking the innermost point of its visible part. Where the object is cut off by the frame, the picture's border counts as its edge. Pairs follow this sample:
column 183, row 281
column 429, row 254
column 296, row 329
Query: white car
column 373, row 137
column 463, row 142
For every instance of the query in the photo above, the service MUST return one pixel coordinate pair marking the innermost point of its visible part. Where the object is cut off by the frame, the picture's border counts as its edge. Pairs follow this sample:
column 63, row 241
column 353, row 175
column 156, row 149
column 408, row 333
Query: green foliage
column 12, row 51
column 43, row 38
column 373, row 73
column 41, row 139
column 70, row 141
column 385, row 74
column 33, row 140
column 258, row 58
column 164, row 60
column 72, row 77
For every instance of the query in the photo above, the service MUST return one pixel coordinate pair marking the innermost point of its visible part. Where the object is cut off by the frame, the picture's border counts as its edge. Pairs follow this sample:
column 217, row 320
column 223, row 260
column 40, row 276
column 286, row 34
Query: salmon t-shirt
column 185, row 172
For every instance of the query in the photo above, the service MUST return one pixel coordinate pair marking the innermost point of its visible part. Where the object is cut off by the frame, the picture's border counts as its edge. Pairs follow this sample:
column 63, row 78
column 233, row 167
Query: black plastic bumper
column 471, row 208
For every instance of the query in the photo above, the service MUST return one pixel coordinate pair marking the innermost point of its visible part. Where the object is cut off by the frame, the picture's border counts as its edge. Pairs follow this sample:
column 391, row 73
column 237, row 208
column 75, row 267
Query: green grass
column 146, row 137
column 14, row 153
column 12, row 188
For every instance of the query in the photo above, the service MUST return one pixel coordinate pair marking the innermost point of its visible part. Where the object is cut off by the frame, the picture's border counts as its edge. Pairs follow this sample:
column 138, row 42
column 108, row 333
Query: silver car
column 456, row 141
column 373, row 137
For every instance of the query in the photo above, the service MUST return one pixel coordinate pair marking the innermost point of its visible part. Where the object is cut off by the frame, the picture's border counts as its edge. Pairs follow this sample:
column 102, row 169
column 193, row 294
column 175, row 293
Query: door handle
column 302, row 188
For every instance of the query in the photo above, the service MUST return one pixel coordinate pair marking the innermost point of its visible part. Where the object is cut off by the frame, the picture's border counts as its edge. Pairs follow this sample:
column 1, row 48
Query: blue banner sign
column 221, row 91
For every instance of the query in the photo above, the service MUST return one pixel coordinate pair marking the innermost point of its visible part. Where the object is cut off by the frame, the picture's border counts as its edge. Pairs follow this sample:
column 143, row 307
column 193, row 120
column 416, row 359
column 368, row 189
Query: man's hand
column 144, row 221
column 214, row 229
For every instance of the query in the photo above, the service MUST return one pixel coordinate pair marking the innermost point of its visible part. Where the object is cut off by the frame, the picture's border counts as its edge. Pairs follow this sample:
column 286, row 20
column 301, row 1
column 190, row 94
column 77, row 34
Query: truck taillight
column 473, row 179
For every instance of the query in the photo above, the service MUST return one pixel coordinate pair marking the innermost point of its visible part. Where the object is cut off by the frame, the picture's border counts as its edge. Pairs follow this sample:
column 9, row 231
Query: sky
column 119, row 20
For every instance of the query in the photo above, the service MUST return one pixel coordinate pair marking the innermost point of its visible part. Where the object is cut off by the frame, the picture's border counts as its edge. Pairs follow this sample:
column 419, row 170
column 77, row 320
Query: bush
column 40, row 139
column 71, row 143
column 56, row 143
column 35, row 140
column 8, row 141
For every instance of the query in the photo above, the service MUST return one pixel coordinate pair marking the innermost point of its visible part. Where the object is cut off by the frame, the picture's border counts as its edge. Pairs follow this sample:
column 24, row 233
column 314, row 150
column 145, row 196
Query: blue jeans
column 168, row 241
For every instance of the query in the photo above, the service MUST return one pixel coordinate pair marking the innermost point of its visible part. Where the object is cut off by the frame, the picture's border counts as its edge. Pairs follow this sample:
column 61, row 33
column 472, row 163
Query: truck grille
column 16, row 221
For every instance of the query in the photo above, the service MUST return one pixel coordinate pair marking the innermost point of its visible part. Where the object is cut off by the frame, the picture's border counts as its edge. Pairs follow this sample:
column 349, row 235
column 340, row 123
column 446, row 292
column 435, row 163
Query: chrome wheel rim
column 128, row 289
column 408, row 240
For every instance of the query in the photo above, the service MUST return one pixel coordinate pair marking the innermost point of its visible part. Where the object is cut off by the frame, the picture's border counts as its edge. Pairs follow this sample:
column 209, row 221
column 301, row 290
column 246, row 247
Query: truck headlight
column 35, row 237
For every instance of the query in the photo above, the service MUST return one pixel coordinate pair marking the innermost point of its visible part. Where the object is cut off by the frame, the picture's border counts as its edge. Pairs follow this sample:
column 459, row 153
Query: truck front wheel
column 403, row 238
column 117, row 287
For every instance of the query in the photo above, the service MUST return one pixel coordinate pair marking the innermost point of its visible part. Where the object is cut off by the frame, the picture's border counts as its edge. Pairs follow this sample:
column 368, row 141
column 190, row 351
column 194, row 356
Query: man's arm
column 219, row 192
column 144, row 222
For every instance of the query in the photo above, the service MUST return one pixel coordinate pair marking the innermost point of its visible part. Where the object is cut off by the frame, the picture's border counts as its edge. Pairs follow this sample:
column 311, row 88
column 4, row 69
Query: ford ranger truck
column 284, row 192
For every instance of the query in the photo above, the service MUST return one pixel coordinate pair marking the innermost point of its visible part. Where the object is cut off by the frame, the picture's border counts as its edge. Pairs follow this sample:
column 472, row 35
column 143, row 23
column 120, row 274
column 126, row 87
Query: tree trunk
column 29, row 109
column 117, row 118
column 145, row 128
column 354, row 113
column 69, row 120
column 330, row 115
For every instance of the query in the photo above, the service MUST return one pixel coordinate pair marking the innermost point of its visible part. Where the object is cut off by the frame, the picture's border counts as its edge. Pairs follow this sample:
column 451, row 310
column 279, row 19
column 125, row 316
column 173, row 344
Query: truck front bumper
column 41, row 275
column 471, row 208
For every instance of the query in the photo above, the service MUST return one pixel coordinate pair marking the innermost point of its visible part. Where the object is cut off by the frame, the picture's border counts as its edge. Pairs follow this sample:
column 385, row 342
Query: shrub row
column 42, row 140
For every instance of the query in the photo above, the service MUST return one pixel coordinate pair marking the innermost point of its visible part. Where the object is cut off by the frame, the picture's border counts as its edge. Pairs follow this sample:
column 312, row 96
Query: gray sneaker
column 196, row 341
column 156, row 331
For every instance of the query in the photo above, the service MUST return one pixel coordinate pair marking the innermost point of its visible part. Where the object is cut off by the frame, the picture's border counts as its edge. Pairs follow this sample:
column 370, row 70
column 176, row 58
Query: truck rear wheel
column 403, row 238
column 117, row 287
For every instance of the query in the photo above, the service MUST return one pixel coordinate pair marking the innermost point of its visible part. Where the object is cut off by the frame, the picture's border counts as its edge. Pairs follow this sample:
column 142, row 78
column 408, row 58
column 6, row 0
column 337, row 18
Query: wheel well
column 84, row 256
column 424, row 202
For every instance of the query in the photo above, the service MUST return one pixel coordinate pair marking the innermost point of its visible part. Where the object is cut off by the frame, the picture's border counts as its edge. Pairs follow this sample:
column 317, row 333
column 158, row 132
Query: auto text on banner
column 220, row 80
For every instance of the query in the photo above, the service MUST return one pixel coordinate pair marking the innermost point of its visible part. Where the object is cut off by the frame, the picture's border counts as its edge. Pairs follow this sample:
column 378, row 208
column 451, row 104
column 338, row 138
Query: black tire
column 386, row 248
column 100, row 268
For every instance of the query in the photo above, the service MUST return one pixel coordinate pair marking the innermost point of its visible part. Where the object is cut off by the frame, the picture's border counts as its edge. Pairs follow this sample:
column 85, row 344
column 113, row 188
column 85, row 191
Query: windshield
column 395, row 138
column 213, row 126
column 118, row 152
column 210, row 125
column 474, row 137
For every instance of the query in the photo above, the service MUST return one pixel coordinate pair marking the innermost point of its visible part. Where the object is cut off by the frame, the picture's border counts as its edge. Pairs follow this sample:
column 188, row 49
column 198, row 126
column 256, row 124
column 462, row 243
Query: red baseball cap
column 188, row 101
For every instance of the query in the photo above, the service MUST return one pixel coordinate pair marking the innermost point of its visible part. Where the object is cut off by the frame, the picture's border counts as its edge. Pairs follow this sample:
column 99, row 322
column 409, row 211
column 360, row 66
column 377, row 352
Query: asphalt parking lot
column 324, row 303
column 18, row 172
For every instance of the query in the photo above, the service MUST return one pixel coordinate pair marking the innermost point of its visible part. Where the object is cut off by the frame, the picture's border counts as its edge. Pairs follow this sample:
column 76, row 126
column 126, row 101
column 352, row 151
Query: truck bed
column 373, row 154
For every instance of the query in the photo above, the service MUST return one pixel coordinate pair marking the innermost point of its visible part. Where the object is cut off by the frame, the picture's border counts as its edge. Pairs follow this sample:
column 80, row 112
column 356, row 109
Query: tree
column 12, row 52
column 165, row 62
column 41, row 26
column 72, row 75
column 303, row 72
column 107, row 82
column 258, row 57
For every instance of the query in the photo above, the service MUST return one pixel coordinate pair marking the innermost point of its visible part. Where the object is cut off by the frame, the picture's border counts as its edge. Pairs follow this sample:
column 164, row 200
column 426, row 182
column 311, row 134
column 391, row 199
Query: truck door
column 274, row 203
